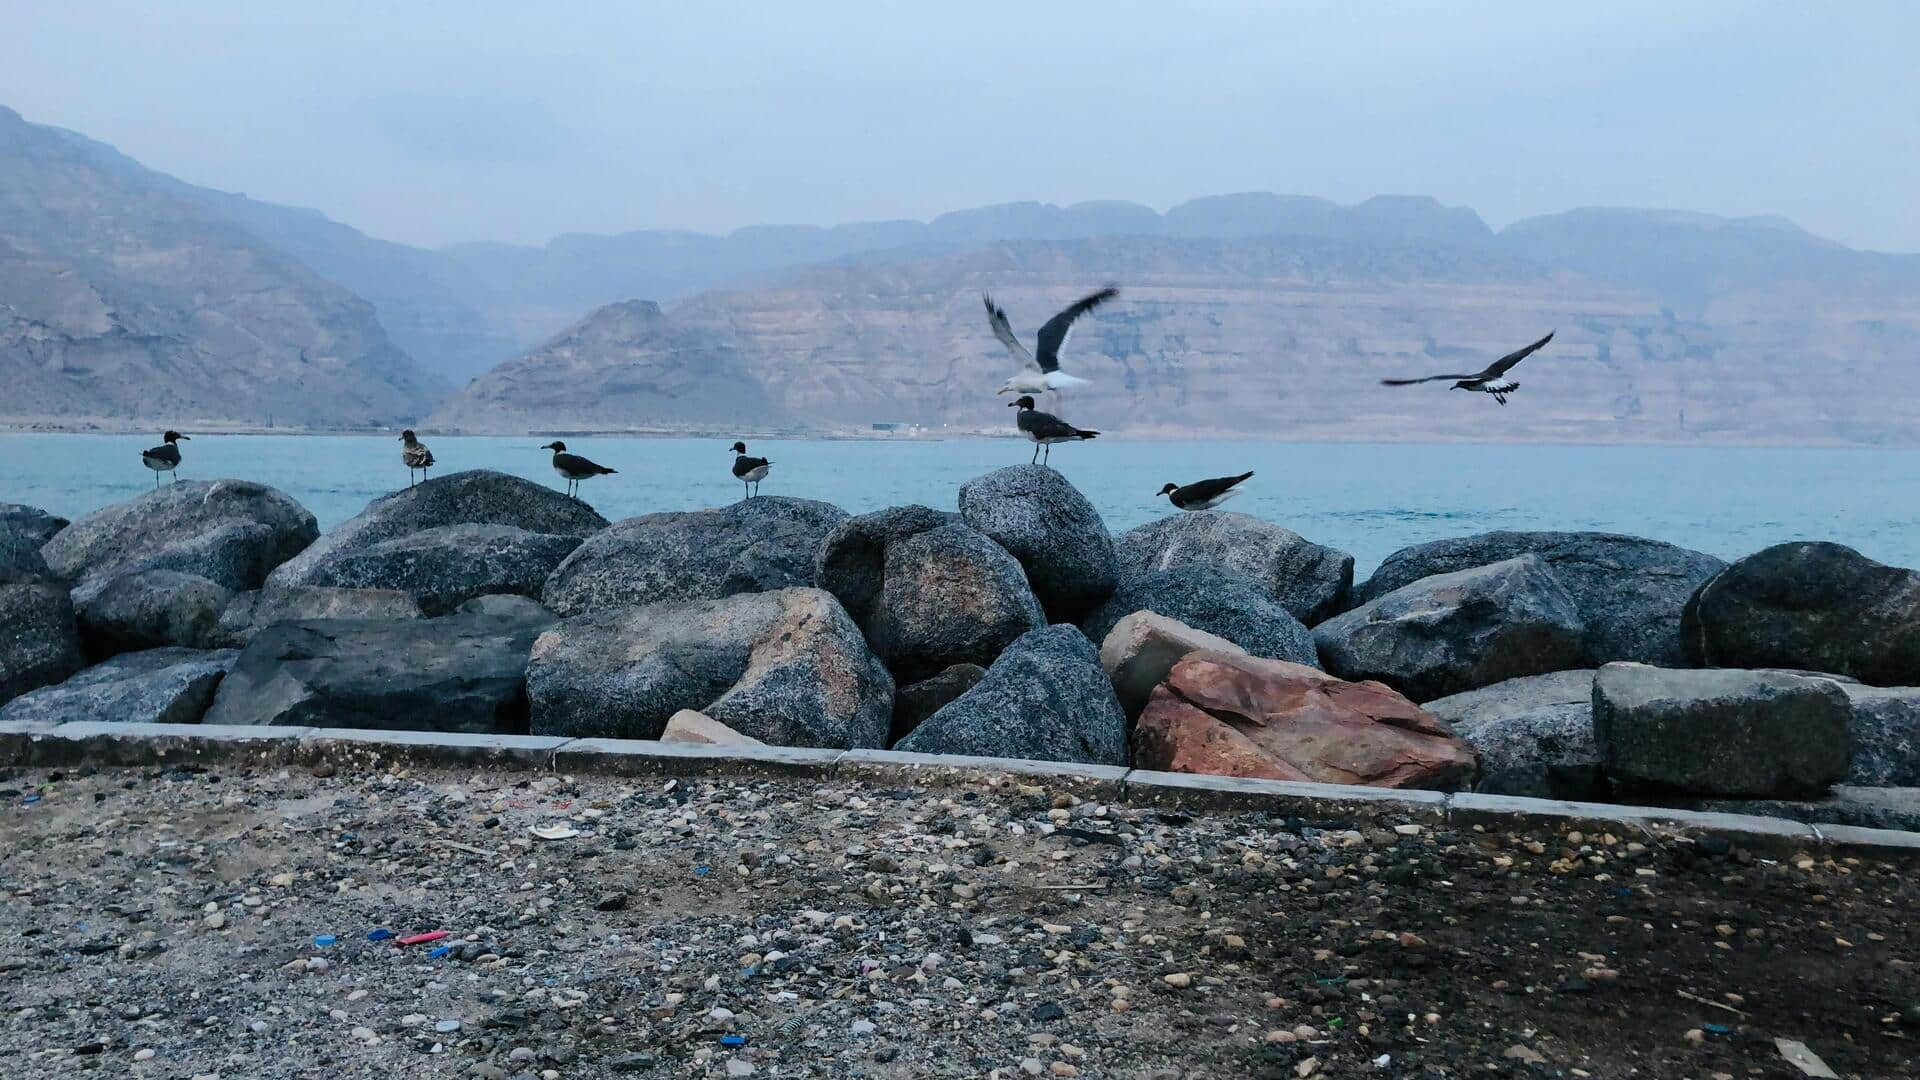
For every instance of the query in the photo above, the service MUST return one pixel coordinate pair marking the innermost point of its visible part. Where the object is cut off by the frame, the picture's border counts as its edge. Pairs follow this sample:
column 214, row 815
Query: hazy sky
column 441, row 122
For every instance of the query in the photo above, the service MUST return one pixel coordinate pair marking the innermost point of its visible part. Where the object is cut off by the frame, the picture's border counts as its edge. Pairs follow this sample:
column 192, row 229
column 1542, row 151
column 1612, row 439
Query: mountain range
column 131, row 299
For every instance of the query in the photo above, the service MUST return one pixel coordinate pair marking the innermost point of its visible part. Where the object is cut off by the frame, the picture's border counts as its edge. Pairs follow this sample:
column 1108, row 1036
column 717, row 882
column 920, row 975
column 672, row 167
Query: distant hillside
column 123, row 303
column 1275, row 336
column 128, row 297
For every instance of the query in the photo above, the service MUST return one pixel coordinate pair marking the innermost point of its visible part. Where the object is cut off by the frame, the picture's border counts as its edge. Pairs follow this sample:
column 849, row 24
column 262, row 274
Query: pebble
column 739, row 1067
column 447, row 1027
column 1179, row 980
column 863, row 1027
column 143, row 1054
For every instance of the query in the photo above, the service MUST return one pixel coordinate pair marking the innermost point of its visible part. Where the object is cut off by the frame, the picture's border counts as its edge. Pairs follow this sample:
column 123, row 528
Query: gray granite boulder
column 472, row 497
column 39, row 638
column 913, row 703
column 1629, row 591
column 950, row 596
column 156, row 686
column 20, row 560
column 458, row 673
column 852, row 560
column 1454, row 632
column 447, row 565
column 1886, row 735
column 1308, row 579
column 787, row 667
column 755, row 545
column 1814, row 606
column 31, row 524
column 249, row 612
column 1044, row 522
column 1534, row 735
column 230, row 532
column 150, row 609
column 1219, row 603
column 1045, row 698
column 1765, row 734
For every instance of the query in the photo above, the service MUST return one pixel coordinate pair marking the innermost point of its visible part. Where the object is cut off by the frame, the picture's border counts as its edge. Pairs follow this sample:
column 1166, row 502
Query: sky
column 438, row 122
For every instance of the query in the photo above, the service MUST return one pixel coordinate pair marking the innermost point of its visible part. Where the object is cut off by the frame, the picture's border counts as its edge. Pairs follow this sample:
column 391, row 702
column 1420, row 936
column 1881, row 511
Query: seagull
column 749, row 470
column 1051, row 339
column 1045, row 429
column 573, row 468
column 1204, row 494
column 164, row 458
column 1488, row 381
column 415, row 455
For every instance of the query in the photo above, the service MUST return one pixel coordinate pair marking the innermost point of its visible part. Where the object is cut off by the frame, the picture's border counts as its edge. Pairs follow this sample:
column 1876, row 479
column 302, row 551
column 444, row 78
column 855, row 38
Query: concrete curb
column 87, row 743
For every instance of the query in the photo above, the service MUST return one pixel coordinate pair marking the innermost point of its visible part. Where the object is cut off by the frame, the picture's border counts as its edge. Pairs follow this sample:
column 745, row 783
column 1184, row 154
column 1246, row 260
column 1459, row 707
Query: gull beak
column 1011, row 404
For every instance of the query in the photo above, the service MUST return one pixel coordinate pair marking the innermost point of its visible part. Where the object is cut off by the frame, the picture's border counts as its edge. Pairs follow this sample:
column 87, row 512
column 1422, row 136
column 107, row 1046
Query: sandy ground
column 176, row 924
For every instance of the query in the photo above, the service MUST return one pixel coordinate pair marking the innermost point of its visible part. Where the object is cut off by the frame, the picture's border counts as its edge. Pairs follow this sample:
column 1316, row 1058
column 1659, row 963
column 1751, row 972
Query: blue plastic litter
column 1623, row 891
column 702, row 871
column 443, row 950
column 733, row 1040
column 1717, row 1029
column 31, row 799
column 381, row 934
column 324, row 940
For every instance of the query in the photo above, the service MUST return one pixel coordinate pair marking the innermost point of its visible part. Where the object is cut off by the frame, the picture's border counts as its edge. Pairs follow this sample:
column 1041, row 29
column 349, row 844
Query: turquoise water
column 1368, row 499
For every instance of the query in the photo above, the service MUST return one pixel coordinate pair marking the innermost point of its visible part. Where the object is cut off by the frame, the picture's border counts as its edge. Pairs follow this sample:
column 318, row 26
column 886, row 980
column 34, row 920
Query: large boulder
column 157, row 686
column 1813, row 606
column 1228, row 714
column 1056, row 534
column 927, row 590
column 1886, row 735
column 913, row 703
column 30, row 524
column 230, row 532
column 1142, row 648
column 786, row 667
column 1044, row 699
column 1628, row 590
column 150, row 609
column 445, row 566
column 1533, row 735
column 1766, row 734
column 1308, row 579
column 852, row 561
column 532, row 517
column 1213, row 601
column 249, row 612
column 20, row 560
column 459, row 673
column 755, row 545
column 1453, row 632
column 39, row 639
column 950, row 596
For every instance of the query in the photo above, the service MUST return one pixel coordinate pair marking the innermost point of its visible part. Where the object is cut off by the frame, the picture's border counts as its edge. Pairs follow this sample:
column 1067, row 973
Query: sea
column 1369, row 499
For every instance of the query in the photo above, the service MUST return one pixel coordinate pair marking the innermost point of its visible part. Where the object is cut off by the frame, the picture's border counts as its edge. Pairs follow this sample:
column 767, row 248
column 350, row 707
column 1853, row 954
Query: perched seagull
column 1204, row 494
column 573, row 468
column 1051, row 339
column 1045, row 429
column 1488, row 381
column 749, row 470
column 164, row 458
column 415, row 455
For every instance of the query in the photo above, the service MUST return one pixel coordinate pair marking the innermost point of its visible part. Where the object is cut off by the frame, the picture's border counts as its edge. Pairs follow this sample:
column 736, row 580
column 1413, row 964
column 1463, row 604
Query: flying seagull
column 1204, row 494
column 1046, row 374
column 573, row 468
column 749, row 470
column 1045, row 429
column 164, row 458
column 1489, row 381
column 414, row 455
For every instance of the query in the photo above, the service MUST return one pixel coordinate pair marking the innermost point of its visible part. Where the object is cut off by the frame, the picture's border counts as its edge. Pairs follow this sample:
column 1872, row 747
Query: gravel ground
column 193, row 923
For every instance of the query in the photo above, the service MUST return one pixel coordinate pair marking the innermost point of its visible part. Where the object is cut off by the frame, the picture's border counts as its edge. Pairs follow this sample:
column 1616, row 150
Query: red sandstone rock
column 1231, row 715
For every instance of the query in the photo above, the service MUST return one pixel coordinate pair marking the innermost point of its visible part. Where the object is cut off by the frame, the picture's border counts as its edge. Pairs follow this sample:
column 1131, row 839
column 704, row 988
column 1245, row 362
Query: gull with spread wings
column 1491, row 381
column 1045, row 364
